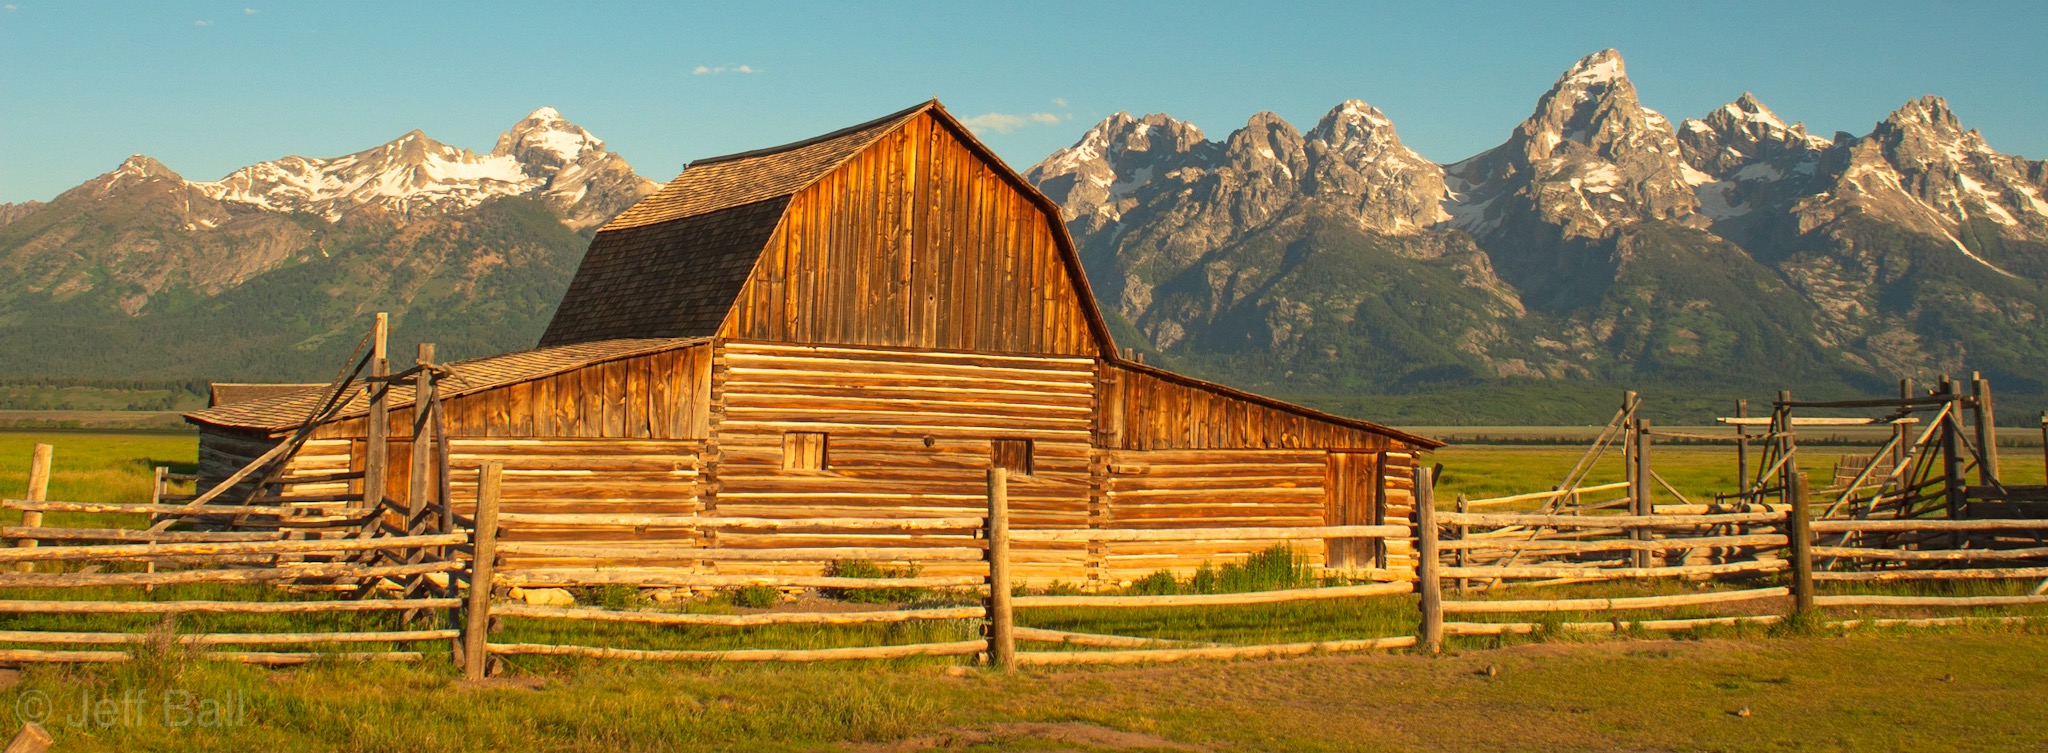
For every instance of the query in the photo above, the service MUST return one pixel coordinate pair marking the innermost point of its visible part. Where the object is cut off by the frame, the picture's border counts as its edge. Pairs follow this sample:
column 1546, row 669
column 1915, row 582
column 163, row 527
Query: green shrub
column 866, row 569
column 753, row 597
column 1157, row 584
column 612, row 596
column 1274, row 568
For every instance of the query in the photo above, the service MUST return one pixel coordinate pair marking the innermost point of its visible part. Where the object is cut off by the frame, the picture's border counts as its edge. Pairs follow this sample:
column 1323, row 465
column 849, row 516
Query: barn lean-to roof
column 291, row 409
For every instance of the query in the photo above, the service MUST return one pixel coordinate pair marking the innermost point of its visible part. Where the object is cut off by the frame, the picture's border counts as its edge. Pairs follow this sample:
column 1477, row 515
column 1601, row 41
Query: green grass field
column 1807, row 688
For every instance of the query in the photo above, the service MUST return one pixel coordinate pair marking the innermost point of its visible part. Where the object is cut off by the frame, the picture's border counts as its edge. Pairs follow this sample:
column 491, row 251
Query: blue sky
column 210, row 86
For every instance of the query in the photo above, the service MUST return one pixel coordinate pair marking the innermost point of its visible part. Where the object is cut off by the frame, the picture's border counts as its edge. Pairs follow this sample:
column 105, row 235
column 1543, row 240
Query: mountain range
column 1599, row 244
column 268, row 272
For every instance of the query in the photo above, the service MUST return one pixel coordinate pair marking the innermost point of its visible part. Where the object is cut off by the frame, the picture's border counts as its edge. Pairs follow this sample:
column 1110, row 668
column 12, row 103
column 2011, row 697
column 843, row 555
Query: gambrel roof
column 672, row 265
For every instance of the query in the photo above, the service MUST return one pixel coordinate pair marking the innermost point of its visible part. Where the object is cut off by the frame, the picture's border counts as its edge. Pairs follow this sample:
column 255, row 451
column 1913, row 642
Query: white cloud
column 1060, row 102
column 1003, row 122
column 202, row 22
column 713, row 70
column 250, row 11
column 10, row 7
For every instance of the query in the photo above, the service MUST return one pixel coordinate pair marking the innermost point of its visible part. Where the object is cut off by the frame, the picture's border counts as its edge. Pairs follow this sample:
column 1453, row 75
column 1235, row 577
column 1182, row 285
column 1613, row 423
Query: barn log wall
column 617, row 437
column 1206, row 489
column 1397, row 485
column 1146, row 410
column 592, row 479
column 655, row 396
column 909, row 434
column 916, row 242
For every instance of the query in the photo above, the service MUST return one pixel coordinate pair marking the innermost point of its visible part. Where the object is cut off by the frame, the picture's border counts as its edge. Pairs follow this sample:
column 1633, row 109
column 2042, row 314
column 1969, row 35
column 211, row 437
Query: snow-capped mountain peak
column 1591, row 156
column 545, row 139
column 543, row 155
column 1599, row 69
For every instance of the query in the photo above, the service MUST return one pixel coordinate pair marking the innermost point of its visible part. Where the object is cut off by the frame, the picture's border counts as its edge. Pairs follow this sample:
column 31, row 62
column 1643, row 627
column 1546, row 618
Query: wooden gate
column 1352, row 497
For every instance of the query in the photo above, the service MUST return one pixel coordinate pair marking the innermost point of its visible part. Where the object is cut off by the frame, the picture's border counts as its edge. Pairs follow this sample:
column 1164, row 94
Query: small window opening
column 804, row 451
column 1012, row 454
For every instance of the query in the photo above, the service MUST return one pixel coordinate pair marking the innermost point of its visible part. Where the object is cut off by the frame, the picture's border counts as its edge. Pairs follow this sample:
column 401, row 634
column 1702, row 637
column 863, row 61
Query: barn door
column 1351, row 498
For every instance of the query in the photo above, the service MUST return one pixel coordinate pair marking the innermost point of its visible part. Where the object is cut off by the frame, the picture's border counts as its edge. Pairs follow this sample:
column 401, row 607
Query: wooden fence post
column 1002, row 627
column 476, row 656
column 1800, row 531
column 1465, row 531
column 1899, row 431
column 1951, row 451
column 1644, row 503
column 31, row 739
column 377, row 431
column 1987, row 430
column 1787, row 445
column 1428, row 585
column 1742, row 450
column 38, row 491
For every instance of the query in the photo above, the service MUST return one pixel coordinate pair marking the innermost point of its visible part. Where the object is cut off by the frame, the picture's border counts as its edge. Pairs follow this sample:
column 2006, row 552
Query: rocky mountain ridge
column 409, row 225
column 1598, row 241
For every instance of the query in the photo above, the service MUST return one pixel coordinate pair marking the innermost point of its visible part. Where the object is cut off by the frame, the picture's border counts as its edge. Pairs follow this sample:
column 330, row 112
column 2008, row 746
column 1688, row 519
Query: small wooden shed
column 859, row 324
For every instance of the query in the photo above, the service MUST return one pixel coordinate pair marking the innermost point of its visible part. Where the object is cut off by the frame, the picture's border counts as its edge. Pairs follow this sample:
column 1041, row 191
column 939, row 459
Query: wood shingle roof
column 671, row 265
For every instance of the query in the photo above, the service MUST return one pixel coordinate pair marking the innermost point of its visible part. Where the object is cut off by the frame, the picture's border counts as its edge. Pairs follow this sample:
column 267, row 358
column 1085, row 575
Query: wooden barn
column 854, row 325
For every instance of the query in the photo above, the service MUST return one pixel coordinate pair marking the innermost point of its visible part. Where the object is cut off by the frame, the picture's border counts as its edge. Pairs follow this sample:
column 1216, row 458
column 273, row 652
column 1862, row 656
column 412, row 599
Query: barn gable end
column 900, row 232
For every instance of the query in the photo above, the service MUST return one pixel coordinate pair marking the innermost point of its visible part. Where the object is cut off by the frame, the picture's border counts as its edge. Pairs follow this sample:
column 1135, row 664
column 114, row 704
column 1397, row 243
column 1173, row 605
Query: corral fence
column 442, row 584
column 1926, row 507
column 373, row 578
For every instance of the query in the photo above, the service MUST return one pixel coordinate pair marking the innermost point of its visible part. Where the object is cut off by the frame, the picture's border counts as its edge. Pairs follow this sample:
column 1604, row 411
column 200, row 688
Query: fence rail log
column 234, row 575
column 1553, row 494
column 140, row 508
column 953, row 648
column 1142, row 656
column 29, row 606
column 715, row 554
column 316, row 546
column 738, row 620
column 1930, row 555
column 137, row 535
column 1986, row 573
column 1196, row 600
column 1873, row 600
column 1606, row 521
column 851, row 524
column 1844, row 526
column 1929, row 621
column 670, row 577
column 270, row 658
column 222, row 639
column 1525, row 628
column 1210, row 534
column 1612, row 545
column 1541, row 571
column 1609, row 604
column 1098, row 640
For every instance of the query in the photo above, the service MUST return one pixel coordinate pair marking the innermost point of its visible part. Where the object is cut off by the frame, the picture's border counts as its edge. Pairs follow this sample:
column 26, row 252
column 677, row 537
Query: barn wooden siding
column 224, row 451
column 916, row 242
column 908, row 434
column 1148, row 409
column 619, row 437
column 1207, row 488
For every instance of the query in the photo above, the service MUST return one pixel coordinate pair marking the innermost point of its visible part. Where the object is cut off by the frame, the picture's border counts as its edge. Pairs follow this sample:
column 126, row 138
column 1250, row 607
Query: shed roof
column 291, row 409
column 226, row 393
